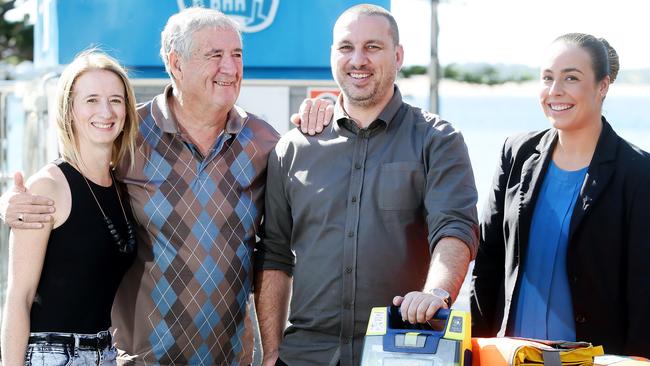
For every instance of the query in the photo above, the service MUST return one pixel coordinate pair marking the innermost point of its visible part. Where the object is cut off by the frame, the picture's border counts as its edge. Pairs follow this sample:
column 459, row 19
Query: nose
column 106, row 109
column 227, row 65
column 556, row 88
column 358, row 58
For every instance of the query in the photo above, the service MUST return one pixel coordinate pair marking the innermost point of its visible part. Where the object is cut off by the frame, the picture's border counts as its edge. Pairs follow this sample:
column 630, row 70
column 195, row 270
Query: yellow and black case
column 391, row 342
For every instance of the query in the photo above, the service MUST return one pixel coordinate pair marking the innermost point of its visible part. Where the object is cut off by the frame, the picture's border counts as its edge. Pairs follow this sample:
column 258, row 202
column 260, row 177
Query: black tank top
column 83, row 266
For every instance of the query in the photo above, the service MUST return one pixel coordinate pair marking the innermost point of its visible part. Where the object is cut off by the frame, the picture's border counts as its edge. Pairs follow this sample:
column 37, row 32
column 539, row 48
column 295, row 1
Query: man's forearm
column 449, row 264
column 272, row 294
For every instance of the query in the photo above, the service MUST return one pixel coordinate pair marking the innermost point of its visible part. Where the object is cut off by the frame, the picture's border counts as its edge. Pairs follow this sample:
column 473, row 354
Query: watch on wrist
column 442, row 294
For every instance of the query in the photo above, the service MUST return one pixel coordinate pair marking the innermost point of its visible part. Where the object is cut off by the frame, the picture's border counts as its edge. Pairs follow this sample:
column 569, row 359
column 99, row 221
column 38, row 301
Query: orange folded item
column 529, row 352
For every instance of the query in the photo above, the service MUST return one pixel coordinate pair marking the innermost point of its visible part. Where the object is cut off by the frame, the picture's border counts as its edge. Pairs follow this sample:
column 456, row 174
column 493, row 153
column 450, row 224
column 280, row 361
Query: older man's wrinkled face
column 365, row 59
column 212, row 75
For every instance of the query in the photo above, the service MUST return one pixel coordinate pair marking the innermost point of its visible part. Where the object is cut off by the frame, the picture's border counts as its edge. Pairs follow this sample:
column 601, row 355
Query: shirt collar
column 387, row 115
column 167, row 122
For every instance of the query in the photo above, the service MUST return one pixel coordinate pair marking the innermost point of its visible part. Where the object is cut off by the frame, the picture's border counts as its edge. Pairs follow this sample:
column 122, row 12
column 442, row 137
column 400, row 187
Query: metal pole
column 434, row 67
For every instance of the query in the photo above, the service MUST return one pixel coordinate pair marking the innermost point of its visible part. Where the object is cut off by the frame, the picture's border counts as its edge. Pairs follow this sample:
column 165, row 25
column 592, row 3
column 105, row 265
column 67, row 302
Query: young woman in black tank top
column 63, row 277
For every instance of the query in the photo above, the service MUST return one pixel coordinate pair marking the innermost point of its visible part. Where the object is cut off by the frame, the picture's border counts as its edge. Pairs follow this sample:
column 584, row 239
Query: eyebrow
column 567, row 70
column 375, row 41
column 219, row 50
column 110, row 96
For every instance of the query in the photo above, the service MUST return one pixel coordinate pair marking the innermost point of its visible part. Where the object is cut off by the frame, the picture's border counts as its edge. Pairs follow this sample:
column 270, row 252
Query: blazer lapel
column 600, row 171
column 532, row 175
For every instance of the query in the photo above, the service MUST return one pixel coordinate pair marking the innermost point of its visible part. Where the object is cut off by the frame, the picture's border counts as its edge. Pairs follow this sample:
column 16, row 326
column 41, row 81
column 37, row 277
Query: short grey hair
column 180, row 28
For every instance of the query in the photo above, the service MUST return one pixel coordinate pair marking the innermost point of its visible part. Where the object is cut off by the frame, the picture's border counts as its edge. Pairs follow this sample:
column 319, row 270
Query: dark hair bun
column 612, row 56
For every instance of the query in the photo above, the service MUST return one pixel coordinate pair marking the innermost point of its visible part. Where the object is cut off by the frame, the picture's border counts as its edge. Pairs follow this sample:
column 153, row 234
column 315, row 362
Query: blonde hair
column 124, row 145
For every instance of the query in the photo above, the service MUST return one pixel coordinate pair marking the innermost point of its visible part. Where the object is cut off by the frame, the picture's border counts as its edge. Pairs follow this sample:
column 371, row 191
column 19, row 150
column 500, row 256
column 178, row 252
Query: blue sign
column 252, row 15
column 283, row 39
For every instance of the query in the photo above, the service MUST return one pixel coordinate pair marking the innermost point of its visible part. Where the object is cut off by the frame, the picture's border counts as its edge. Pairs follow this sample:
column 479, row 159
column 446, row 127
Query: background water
column 486, row 120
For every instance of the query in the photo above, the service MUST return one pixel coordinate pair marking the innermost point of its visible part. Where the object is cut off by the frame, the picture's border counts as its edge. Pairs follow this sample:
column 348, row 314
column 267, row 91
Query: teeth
column 560, row 107
column 359, row 76
column 224, row 83
column 102, row 125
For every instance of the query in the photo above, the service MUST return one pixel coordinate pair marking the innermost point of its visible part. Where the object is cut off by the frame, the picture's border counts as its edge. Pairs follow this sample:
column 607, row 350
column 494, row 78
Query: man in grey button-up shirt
column 379, row 208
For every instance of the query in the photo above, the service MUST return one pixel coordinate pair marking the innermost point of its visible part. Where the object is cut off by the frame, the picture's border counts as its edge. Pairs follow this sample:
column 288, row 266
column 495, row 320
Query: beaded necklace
column 125, row 246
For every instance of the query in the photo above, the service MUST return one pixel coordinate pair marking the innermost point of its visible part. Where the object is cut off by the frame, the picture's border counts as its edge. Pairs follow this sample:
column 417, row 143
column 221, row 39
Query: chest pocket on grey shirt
column 401, row 185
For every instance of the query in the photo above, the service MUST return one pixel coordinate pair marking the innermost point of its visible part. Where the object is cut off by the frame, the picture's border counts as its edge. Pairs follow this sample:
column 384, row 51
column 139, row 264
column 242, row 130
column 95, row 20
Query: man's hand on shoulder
column 314, row 114
column 22, row 210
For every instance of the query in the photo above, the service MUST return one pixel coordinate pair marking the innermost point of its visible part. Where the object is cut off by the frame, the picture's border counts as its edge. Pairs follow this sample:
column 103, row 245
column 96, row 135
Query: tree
column 407, row 71
column 16, row 38
column 451, row 71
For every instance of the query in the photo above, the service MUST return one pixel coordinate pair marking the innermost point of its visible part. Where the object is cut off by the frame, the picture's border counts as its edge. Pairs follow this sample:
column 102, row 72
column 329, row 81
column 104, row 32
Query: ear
column 175, row 66
column 399, row 56
column 603, row 86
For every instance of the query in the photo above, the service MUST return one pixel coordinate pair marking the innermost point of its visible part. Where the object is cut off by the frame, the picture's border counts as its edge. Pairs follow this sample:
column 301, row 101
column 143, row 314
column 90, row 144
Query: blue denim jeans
column 75, row 352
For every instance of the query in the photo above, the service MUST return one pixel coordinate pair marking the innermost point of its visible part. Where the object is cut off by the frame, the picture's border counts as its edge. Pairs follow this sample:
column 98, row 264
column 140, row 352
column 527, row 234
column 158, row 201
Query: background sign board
column 283, row 39
column 275, row 100
column 324, row 93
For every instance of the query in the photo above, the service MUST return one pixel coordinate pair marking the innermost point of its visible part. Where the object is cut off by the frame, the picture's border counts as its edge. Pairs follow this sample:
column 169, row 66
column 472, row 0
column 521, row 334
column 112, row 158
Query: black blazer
column 608, row 255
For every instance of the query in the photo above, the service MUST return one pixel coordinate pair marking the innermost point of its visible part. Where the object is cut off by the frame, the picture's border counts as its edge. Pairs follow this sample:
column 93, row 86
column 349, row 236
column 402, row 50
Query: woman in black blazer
column 600, row 276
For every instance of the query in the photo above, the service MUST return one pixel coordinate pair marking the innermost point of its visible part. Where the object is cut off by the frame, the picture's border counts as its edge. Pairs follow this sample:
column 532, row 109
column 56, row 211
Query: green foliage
column 524, row 78
column 407, row 71
column 451, row 71
column 16, row 39
column 485, row 74
column 474, row 74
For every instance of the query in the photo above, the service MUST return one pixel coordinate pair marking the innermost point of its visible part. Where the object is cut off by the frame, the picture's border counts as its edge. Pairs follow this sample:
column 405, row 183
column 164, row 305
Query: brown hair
column 604, row 59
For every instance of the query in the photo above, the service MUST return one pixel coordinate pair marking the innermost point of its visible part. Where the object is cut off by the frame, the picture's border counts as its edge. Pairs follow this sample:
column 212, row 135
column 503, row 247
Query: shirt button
column 350, row 234
column 346, row 340
column 354, row 199
column 581, row 319
column 347, row 305
column 357, row 166
column 348, row 269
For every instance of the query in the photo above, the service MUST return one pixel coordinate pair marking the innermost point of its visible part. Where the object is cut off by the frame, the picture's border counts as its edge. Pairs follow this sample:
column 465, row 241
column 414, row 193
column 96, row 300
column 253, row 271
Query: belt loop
column 76, row 345
column 101, row 340
column 99, row 351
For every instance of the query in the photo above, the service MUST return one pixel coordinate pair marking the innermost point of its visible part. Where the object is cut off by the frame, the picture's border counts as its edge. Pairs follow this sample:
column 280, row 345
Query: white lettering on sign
column 228, row 5
column 252, row 15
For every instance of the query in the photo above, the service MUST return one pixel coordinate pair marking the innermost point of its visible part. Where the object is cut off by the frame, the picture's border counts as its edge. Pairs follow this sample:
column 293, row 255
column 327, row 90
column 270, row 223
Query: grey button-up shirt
column 354, row 214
